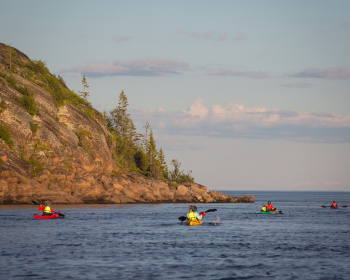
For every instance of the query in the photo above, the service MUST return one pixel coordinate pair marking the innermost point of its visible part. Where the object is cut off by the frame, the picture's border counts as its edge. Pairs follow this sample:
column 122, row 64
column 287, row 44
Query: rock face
column 64, row 153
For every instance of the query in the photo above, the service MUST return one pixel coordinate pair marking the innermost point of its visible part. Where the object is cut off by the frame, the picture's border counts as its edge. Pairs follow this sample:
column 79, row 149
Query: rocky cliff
column 59, row 149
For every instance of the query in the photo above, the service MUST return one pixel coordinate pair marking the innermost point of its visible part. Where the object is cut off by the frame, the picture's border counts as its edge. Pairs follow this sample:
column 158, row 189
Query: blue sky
column 249, row 95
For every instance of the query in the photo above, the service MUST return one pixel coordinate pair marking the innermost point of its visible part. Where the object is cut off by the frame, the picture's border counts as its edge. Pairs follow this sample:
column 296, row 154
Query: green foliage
column 36, row 165
column 89, row 112
column 3, row 106
column 67, row 164
column 84, row 94
column 5, row 134
column 34, row 127
column 135, row 151
column 178, row 175
column 27, row 100
column 3, row 74
column 141, row 161
column 37, row 72
column 40, row 146
column 12, row 81
column 37, row 66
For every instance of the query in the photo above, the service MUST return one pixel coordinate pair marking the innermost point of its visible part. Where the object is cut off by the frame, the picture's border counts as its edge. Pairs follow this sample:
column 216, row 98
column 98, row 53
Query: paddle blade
column 344, row 206
column 211, row 210
column 182, row 218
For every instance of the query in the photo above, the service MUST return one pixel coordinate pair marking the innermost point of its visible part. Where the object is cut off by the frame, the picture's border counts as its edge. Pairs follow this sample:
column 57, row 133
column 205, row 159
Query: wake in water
column 216, row 222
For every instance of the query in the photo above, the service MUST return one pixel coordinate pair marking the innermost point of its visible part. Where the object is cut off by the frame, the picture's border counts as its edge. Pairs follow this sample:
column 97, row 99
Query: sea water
column 147, row 241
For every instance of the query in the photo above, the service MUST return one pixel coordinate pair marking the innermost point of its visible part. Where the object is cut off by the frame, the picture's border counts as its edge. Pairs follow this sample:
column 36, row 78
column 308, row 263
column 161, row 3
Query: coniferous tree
column 84, row 94
column 120, row 117
column 163, row 165
column 151, row 150
column 145, row 136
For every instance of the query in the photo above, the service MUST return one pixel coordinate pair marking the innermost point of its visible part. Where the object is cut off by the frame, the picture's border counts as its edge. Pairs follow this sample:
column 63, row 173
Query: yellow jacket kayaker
column 193, row 214
column 47, row 210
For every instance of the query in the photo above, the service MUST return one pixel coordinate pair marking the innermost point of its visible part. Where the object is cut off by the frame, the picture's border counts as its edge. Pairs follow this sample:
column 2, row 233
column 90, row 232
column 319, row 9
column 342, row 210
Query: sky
column 247, row 94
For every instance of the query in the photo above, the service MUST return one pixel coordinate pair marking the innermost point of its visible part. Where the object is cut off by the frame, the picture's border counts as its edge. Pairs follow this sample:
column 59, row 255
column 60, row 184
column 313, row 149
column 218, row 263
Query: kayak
column 55, row 215
column 194, row 223
column 271, row 212
column 334, row 207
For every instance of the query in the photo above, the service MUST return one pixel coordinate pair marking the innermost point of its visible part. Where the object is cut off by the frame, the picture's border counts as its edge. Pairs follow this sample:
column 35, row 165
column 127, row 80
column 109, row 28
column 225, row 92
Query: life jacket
column 264, row 209
column 269, row 207
column 47, row 210
column 191, row 216
column 334, row 205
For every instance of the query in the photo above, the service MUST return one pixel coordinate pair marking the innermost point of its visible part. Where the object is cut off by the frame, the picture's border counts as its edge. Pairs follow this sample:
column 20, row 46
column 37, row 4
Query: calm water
column 148, row 241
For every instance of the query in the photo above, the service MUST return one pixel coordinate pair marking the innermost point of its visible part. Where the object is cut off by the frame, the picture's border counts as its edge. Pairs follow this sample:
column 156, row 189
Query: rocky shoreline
column 64, row 153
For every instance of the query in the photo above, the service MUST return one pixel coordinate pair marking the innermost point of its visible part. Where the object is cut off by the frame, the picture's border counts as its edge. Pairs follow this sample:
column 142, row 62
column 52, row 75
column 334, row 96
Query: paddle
column 183, row 218
column 331, row 206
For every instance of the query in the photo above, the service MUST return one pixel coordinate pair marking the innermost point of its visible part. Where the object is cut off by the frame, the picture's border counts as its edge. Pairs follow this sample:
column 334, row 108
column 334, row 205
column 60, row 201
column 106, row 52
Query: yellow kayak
column 194, row 223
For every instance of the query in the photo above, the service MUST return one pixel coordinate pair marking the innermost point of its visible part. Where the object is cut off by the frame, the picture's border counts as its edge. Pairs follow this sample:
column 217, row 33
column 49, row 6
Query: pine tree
column 163, row 165
column 151, row 149
column 145, row 136
column 84, row 94
column 121, row 119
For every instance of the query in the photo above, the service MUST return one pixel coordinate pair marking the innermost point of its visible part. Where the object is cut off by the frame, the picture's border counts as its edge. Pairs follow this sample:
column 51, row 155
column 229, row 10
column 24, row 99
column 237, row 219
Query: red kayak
column 55, row 215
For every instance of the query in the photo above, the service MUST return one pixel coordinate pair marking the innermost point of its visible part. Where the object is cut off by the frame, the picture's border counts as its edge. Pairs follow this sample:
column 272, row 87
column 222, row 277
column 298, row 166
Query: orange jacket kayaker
column 334, row 204
column 47, row 210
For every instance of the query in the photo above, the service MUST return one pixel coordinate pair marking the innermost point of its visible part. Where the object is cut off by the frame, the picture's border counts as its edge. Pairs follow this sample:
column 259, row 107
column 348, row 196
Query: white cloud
column 237, row 121
column 234, row 73
column 141, row 67
column 197, row 108
column 334, row 73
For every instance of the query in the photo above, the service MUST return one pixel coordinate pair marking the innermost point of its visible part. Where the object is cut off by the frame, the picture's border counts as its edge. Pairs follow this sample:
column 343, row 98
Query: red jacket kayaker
column 334, row 204
column 269, row 206
column 47, row 210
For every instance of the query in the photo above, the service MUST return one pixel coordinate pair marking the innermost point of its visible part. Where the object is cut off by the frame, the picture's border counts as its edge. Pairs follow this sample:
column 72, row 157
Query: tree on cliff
column 154, row 163
column 122, row 123
column 163, row 164
column 139, row 152
column 84, row 94
column 178, row 175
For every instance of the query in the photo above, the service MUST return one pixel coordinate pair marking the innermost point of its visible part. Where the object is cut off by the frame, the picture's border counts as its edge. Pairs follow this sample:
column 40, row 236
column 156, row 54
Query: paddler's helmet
column 334, row 201
column 48, row 203
column 265, row 204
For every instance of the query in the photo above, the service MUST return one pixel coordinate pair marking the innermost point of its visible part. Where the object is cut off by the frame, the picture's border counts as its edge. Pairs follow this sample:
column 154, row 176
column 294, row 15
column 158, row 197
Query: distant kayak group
column 193, row 218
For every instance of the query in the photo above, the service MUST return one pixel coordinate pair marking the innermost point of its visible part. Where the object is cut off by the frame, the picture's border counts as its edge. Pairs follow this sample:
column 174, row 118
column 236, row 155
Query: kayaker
column 270, row 207
column 264, row 207
column 193, row 214
column 334, row 204
column 47, row 210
